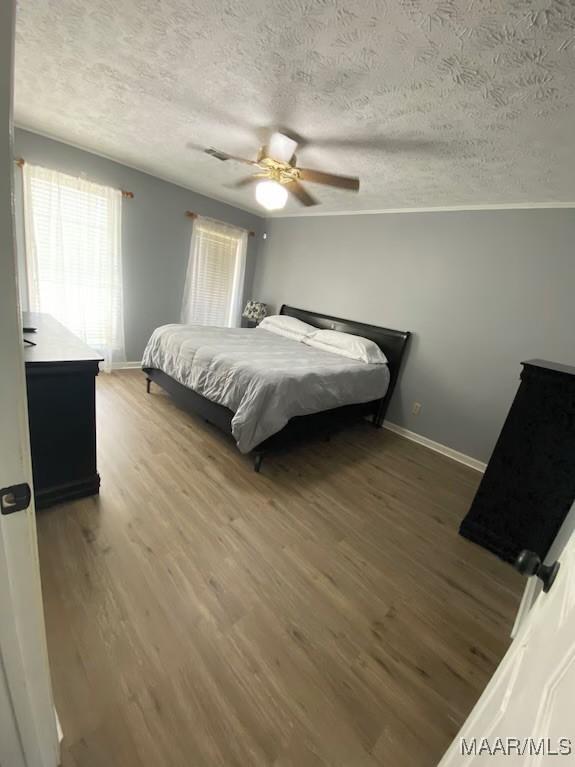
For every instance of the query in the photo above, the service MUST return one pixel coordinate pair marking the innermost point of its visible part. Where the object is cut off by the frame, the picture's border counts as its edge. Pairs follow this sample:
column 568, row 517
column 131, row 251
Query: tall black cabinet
column 529, row 484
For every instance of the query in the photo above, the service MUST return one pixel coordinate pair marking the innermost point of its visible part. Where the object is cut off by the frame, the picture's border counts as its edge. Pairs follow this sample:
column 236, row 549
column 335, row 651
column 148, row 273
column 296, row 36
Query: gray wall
column 480, row 290
column 155, row 232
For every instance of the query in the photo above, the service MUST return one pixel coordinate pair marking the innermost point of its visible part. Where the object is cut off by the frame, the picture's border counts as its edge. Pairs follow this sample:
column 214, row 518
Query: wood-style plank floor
column 322, row 613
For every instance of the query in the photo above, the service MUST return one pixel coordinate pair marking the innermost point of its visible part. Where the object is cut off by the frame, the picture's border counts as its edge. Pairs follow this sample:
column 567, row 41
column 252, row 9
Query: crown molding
column 438, row 209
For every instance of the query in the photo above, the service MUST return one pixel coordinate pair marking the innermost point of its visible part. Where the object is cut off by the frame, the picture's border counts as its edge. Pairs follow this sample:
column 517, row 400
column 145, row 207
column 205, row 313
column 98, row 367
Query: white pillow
column 348, row 345
column 287, row 326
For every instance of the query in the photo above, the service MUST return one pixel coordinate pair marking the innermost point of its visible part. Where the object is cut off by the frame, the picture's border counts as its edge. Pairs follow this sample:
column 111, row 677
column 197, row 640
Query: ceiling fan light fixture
column 271, row 195
column 281, row 147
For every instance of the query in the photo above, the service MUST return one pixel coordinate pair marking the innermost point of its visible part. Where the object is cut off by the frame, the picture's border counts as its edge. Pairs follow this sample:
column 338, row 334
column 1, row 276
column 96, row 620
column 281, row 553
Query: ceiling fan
column 277, row 174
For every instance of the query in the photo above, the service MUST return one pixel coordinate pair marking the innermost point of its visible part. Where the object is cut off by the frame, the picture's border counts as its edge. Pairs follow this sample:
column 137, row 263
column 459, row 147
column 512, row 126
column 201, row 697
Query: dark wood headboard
column 391, row 342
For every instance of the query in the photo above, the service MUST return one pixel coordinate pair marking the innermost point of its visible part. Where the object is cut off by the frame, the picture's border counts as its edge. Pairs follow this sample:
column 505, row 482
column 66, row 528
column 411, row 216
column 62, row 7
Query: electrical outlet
column 416, row 409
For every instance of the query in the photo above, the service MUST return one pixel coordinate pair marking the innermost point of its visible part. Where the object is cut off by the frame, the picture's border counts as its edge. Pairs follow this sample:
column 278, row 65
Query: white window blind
column 215, row 277
column 73, row 256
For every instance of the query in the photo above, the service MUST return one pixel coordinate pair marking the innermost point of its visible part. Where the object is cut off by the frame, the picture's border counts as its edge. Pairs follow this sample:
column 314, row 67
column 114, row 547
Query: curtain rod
column 20, row 162
column 191, row 214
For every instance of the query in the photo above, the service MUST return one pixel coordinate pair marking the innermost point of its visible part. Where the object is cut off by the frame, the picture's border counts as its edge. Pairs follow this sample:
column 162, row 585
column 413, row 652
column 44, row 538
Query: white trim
column 165, row 179
column 25, row 672
column 529, row 594
column 126, row 365
column 10, row 743
column 473, row 463
column 445, row 209
column 59, row 727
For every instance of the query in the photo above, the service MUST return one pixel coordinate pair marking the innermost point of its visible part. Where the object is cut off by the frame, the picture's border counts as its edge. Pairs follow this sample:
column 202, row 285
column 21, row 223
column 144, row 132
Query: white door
column 10, row 746
column 526, row 714
column 28, row 731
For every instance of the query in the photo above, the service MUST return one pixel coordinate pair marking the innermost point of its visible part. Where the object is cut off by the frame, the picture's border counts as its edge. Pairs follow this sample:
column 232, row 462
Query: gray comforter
column 264, row 378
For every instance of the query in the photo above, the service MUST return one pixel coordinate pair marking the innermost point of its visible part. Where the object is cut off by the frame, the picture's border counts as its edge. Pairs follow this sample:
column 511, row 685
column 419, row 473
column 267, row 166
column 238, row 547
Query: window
column 215, row 278
column 73, row 256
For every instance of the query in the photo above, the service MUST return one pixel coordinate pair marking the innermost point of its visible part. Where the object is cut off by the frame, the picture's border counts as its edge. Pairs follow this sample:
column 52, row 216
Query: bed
column 266, row 391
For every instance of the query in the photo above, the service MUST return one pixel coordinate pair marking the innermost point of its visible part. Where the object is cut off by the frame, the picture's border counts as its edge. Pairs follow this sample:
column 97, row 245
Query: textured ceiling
column 430, row 102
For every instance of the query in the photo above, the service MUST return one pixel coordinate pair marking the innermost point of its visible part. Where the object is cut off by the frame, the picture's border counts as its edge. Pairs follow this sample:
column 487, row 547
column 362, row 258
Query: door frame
column 25, row 687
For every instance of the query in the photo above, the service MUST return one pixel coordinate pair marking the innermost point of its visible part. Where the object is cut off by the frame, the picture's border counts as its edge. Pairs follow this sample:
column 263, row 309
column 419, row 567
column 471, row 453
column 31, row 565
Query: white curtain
column 214, row 284
column 73, row 234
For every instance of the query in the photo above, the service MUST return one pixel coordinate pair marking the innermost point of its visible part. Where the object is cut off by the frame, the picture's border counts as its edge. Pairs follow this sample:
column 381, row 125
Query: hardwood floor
column 322, row 613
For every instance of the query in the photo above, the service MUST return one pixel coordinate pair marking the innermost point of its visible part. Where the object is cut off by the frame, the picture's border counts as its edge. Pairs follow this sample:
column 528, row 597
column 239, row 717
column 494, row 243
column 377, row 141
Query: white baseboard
column 473, row 463
column 126, row 365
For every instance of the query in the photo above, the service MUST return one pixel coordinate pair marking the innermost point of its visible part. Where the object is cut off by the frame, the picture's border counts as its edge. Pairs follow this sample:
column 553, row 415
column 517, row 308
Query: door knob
column 529, row 563
column 15, row 498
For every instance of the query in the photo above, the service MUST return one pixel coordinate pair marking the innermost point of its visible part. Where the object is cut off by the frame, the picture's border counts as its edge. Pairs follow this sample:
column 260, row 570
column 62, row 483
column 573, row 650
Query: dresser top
column 554, row 367
column 54, row 342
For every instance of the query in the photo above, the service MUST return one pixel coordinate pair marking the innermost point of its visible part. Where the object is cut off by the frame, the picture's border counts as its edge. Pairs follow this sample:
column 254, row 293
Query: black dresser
column 529, row 484
column 60, row 379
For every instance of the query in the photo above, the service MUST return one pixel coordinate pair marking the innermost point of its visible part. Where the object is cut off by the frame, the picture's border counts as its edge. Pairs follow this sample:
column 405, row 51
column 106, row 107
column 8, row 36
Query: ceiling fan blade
column 225, row 156
column 243, row 182
column 300, row 193
column 329, row 179
column 281, row 147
